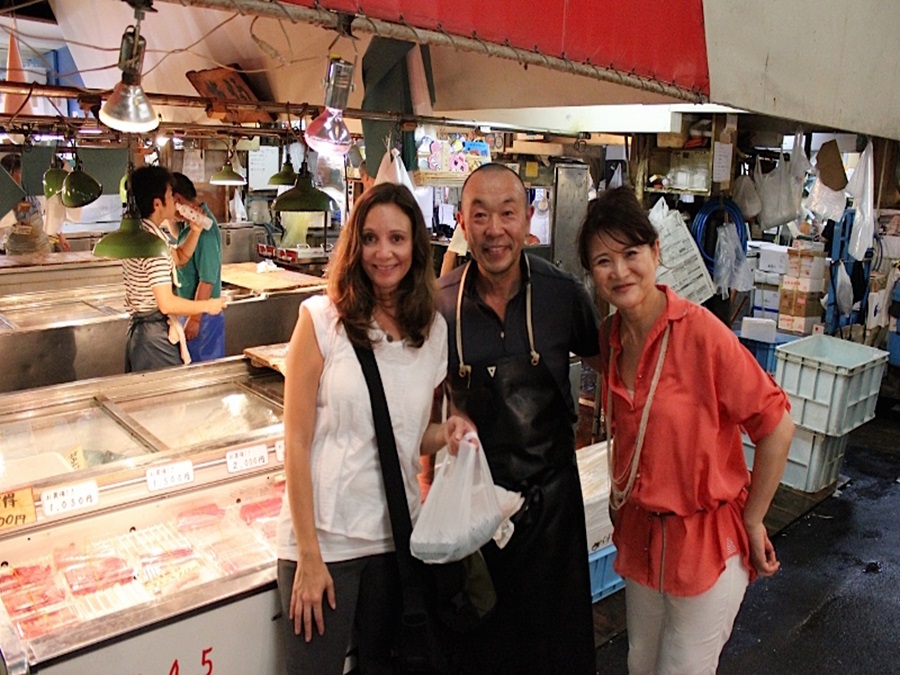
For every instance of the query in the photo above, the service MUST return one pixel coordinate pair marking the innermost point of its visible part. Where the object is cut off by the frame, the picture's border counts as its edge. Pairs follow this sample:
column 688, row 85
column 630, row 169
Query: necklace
column 618, row 496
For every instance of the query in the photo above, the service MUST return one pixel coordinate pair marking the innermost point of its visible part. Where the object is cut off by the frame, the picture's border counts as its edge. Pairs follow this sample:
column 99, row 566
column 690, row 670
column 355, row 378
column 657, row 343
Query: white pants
column 673, row 635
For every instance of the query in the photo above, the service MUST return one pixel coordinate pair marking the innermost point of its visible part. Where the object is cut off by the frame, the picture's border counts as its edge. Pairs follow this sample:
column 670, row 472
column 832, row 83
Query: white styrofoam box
column 773, row 257
column 803, row 284
column 809, row 264
column 808, row 245
column 766, row 297
column 890, row 246
column 814, row 460
column 764, row 278
column 763, row 313
column 762, row 330
column 594, row 472
column 832, row 384
column 801, row 325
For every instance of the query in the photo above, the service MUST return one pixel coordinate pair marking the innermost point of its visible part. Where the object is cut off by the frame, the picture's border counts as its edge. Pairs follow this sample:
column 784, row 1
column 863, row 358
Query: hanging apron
column 543, row 621
column 210, row 341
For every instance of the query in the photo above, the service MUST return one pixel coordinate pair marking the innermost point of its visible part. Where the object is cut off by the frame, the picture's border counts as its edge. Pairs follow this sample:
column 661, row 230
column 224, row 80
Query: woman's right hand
column 312, row 583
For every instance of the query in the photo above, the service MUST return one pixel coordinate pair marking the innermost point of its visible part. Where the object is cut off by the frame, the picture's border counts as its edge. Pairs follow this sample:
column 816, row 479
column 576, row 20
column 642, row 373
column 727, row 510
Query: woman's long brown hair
column 350, row 288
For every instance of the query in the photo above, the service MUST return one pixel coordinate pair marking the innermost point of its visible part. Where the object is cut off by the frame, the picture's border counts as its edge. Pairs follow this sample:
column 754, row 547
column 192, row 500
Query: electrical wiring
column 698, row 226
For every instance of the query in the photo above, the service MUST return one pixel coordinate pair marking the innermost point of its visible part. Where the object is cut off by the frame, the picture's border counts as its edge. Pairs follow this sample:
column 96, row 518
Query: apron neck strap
column 466, row 370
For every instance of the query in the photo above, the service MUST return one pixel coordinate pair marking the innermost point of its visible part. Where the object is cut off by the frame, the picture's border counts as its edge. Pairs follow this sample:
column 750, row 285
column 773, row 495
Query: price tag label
column 170, row 475
column 279, row 450
column 243, row 459
column 70, row 498
column 17, row 508
column 75, row 457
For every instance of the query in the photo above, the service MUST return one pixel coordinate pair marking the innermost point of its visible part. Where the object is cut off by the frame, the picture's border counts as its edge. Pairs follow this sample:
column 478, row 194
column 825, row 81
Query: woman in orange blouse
column 677, row 389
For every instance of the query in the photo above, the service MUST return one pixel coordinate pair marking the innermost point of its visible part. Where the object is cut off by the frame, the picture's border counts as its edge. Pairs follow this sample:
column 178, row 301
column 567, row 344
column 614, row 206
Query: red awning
column 662, row 41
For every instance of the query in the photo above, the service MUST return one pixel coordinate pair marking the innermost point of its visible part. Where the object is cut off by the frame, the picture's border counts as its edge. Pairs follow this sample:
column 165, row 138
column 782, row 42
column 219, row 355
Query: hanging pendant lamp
column 128, row 109
column 304, row 196
column 131, row 240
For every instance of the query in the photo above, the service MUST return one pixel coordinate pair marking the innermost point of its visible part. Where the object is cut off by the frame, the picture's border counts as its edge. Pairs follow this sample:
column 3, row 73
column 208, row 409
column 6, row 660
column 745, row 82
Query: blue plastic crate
column 763, row 351
column 604, row 580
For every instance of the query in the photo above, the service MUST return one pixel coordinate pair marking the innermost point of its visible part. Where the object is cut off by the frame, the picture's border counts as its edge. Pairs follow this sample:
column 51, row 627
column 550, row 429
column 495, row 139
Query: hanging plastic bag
column 731, row 269
column 746, row 197
column 658, row 213
column 779, row 200
column 463, row 509
column 800, row 164
column 826, row 203
column 392, row 170
column 844, row 293
column 862, row 187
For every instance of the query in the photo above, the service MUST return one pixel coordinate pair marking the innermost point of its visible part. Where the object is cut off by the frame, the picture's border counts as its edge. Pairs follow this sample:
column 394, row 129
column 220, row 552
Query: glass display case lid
column 204, row 415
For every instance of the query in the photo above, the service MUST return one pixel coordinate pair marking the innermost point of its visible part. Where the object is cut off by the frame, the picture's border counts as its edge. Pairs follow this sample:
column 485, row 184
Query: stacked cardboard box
column 800, row 304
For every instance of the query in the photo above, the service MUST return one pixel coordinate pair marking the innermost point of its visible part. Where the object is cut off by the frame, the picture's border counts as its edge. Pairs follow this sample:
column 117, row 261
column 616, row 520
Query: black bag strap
column 398, row 509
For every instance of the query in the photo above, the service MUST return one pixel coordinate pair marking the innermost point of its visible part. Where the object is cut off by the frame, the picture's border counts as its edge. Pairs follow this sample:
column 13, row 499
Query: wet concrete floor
column 834, row 607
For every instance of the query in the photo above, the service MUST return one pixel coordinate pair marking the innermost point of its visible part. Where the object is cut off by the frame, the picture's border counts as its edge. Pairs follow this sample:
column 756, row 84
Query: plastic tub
column 814, row 460
column 833, row 384
column 604, row 580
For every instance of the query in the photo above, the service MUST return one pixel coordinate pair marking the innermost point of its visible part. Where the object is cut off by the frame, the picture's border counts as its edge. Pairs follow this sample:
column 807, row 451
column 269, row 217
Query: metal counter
column 52, row 337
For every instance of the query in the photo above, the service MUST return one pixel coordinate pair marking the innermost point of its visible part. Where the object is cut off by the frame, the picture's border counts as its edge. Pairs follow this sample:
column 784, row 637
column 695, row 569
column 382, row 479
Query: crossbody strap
column 398, row 508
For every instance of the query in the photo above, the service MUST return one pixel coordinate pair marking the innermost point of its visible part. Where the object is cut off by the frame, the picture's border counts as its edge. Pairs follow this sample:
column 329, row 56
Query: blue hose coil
column 698, row 227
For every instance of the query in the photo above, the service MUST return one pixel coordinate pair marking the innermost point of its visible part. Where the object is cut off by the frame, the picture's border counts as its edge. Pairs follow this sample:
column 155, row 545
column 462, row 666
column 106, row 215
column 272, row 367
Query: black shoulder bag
column 460, row 594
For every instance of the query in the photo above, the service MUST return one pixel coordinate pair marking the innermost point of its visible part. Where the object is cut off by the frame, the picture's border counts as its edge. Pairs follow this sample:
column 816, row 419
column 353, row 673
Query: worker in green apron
column 513, row 321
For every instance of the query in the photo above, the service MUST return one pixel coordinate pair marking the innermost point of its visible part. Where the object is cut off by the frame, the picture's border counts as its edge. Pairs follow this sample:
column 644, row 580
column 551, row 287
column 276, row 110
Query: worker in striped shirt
column 155, row 336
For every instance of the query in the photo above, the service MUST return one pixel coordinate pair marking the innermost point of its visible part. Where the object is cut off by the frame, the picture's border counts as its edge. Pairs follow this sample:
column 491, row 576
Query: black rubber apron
column 543, row 621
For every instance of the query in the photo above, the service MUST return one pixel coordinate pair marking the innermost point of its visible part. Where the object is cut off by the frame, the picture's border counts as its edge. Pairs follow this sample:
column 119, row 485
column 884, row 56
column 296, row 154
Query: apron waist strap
column 148, row 317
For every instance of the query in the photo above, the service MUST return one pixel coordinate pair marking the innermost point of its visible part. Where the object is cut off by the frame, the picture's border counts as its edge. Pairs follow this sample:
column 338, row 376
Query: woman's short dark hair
column 351, row 289
column 616, row 214
column 149, row 183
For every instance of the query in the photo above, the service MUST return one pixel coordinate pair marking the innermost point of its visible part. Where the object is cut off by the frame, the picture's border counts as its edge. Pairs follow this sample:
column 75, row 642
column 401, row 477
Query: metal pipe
column 332, row 20
column 295, row 109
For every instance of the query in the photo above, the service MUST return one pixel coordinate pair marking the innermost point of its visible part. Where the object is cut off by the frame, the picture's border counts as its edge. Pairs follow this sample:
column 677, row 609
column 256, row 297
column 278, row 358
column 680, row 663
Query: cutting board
column 244, row 274
column 268, row 356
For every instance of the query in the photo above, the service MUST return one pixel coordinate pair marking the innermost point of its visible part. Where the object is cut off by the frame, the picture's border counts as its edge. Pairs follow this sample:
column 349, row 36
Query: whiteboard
column 263, row 164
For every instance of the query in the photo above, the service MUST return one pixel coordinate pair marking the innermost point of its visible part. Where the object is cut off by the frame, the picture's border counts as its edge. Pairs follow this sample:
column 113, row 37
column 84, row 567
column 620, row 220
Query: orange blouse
column 683, row 519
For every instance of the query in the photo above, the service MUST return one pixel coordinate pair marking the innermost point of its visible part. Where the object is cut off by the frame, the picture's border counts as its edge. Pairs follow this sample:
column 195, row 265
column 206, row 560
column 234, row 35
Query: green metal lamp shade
column 303, row 197
column 79, row 189
column 287, row 175
column 53, row 181
column 130, row 241
column 227, row 176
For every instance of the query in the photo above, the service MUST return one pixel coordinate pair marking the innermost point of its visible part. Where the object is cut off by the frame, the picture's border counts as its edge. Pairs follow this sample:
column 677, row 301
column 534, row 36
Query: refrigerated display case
column 137, row 523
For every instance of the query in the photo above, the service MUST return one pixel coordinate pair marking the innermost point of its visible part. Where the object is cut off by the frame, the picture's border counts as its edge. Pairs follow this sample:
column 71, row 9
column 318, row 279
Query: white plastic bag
column 778, row 197
column 746, row 197
column 826, row 203
column 731, row 267
column 462, row 511
column 844, row 295
column 392, row 170
column 862, row 187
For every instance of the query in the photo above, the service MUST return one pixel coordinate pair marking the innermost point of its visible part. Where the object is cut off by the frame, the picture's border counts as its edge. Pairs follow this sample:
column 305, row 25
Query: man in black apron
column 513, row 320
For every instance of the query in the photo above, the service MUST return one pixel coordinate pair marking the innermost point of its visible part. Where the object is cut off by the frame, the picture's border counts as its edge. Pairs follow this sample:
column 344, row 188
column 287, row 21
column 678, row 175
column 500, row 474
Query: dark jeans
column 369, row 602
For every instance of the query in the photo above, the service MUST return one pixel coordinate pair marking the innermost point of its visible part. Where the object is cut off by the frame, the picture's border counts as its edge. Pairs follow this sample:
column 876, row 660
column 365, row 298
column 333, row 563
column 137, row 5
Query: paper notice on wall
column 681, row 265
column 722, row 162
